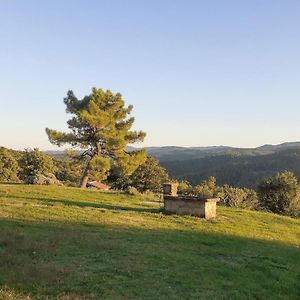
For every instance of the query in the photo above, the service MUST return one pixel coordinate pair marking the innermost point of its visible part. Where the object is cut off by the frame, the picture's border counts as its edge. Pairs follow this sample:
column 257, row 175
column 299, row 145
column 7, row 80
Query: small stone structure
column 170, row 189
column 40, row 179
column 188, row 205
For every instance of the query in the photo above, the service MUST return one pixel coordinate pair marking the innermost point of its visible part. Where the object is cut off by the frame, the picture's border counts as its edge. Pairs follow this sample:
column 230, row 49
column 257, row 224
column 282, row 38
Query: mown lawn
column 67, row 243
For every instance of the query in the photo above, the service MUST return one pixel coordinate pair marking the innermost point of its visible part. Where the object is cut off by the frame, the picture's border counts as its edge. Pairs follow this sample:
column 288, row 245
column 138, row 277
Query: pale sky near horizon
column 198, row 73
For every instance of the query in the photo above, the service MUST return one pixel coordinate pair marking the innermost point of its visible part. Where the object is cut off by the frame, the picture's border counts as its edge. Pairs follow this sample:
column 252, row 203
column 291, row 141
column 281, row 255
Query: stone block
column 191, row 205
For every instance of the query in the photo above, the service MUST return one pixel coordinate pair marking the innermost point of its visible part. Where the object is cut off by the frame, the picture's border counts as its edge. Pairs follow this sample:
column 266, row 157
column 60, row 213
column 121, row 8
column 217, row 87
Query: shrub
column 294, row 206
column 280, row 193
column 69, row 171
column 234, row 197
column 34, row 162
column 207, row 188
column 184, row 187
column 131, row 190
column 148, row 176
column 239, row 197
column 8, row 166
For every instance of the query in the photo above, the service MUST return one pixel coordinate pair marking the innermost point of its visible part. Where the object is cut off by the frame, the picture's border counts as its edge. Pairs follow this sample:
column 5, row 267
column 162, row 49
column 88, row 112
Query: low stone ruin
column 188, row 205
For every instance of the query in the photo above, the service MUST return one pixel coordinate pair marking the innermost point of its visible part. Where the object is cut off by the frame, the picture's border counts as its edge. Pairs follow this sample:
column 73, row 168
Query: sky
column 198, row 73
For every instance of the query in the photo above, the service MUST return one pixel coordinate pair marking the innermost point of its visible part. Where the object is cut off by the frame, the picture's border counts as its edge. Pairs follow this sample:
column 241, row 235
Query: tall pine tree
column 100, row 126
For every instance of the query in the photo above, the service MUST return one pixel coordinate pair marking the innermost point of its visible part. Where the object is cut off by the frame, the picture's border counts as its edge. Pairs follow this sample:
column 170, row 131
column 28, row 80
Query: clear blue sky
column 197, row 72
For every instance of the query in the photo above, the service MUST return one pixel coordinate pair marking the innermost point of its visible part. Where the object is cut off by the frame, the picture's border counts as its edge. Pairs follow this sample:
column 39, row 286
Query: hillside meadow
column 69, row 243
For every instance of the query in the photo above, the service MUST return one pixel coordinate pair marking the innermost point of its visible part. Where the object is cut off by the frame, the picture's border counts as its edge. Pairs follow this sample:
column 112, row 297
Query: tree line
column 17, row 166
column 279, row 193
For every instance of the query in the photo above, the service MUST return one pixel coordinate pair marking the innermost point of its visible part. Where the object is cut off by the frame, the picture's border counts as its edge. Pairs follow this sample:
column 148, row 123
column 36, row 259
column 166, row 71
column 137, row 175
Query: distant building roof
column 98, row 185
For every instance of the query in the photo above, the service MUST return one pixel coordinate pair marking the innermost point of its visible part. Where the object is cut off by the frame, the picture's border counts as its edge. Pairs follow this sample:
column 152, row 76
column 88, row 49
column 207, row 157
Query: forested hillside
column 235, row 169
column 172, row 153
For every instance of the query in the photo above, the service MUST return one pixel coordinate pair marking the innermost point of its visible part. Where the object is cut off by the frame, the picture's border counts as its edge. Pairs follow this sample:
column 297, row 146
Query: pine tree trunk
column 84, row 181
column 85, row 178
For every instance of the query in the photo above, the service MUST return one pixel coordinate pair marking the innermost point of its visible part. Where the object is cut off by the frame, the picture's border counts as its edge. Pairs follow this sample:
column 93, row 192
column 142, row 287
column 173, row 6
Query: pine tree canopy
column 101, row 126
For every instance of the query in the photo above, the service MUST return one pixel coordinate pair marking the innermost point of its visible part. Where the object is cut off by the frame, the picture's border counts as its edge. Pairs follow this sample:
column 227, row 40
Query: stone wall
column 188, row 205
column 193, row 206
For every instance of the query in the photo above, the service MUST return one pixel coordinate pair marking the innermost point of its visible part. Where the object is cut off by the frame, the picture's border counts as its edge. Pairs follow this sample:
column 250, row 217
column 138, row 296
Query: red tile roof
column 98, row 185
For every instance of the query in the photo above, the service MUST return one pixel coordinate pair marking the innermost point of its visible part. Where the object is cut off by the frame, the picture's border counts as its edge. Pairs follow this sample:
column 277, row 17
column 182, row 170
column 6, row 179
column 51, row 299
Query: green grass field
column 67, row 243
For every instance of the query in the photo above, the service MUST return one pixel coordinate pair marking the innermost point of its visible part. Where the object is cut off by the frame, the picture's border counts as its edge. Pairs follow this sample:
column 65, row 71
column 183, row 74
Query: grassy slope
column 68, row 243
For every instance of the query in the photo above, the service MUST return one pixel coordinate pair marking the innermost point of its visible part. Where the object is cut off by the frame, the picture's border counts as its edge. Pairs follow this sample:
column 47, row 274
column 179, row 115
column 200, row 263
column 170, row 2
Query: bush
column 280, row 194
column 34, row 162
column 184, row 188
column 234, row 197
column 207, row 188
column 294, row 206
column 131, row 190
column 239, row 197
column 148, row 176
column 8, row 166
column 69, row 171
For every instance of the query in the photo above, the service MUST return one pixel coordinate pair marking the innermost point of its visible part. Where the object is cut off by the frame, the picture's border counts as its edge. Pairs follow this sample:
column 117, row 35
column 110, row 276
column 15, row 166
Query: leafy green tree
column 207, row 188
column 101, row 127
column 149, row 176
column 279, row 192
column 8, row 166
column 35, row 162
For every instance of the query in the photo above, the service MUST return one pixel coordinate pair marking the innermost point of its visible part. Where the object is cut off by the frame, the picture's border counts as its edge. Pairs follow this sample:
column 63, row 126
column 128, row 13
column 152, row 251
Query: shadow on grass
column 114, row 262
column 51, row 201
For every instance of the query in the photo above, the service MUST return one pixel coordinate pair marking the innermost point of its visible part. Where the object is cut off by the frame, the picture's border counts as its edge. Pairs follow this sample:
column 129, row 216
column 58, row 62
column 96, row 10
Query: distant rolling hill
column 172, row 153
column 234, row 166
column 241, row 170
